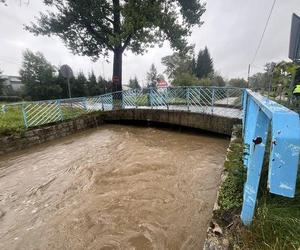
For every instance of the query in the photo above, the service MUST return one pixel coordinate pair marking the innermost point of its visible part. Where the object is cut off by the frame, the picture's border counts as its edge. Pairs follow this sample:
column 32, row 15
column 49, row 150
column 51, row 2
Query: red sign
column 162, row 84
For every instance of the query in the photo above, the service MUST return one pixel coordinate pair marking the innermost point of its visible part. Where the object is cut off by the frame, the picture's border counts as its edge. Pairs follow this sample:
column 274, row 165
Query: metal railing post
column 24, row 116
column 150, row 98
column 85, row 103
column 227, row 95
column 122, row 99
column 102, row 104
column 60, row 110
column 167, row 98
column 212, row 100
column 188, row 98
column 136, row 98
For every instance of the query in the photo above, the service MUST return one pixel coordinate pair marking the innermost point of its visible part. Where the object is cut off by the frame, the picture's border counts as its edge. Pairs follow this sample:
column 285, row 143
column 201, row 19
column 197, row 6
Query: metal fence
column 221, row 101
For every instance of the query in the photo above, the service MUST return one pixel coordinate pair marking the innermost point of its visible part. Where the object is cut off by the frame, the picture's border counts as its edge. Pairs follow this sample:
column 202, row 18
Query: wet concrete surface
column 115, row 187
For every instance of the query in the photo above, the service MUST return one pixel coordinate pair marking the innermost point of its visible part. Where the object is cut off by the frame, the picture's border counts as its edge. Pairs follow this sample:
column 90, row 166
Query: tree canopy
column 37, row 74
column 42, row 81
column 238, row 82
column 95, row 27
column 152, row 77
column 179, row 62
column 134, row 83
column 183, row 69
column 204, row 64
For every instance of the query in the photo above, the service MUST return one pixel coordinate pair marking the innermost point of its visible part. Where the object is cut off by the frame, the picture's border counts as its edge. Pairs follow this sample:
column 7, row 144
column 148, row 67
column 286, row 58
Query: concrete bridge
column 208, row 122
column 214, row 109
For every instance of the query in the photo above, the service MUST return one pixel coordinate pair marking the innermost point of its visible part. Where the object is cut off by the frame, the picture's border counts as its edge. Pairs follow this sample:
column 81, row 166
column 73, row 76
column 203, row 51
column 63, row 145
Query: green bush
column 10, row 99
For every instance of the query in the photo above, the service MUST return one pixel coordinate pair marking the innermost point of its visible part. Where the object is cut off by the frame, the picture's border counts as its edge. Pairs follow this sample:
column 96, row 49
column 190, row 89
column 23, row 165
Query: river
column 115, row 187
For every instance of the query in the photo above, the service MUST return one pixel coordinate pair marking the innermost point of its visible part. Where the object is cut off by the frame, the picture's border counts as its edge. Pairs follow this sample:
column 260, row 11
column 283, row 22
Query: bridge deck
column 217, row 111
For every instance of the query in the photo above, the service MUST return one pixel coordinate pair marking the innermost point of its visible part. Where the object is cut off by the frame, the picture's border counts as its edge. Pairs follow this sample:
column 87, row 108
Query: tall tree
column 78, row 85
column 105, row 86
column 179, row 62
column 134, row 83
column 204, row 65
column 92, row 88
column 180, row 67
column 152, row 77
column 37, row 74
column 217, row 80
column 95, row 27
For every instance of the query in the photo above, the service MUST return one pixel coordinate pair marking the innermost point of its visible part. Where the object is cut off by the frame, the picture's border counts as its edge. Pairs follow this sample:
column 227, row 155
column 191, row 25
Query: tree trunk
column 117, row 69
column 118, row 51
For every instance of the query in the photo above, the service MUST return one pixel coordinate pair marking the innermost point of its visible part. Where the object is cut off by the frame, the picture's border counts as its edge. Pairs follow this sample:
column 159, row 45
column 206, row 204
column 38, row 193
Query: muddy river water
column 115, row 187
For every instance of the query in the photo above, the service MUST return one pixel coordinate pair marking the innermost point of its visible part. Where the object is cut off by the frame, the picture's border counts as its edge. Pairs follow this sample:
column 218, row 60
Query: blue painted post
column 102, row 104
column 136, row 98
column 150, row 97
column 85, row 103
column 212, row 100
column 122, row 99
column 60, row 110
column 166, row 97
column 251, row 119
column 24, row 116
column 245, row 107
column 227, row 95
column 254, row 167
column 188, row 98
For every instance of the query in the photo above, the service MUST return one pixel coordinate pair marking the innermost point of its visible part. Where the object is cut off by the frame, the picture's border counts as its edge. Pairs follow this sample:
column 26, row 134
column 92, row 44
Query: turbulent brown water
column 116, row 187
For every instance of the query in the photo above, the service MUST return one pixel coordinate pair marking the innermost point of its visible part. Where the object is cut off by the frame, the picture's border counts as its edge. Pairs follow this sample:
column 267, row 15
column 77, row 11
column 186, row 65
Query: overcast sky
column 231, row 31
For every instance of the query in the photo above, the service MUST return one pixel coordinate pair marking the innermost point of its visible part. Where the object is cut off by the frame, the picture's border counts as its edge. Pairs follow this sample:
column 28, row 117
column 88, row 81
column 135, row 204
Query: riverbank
column 276, row 223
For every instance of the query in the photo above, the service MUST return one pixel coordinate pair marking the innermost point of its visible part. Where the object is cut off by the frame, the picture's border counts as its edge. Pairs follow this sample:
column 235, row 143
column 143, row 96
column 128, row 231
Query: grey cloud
column 231, row 31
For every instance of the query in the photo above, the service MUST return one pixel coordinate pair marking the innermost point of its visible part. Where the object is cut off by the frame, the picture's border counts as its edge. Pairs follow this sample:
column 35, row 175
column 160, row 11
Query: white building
column 13, row 81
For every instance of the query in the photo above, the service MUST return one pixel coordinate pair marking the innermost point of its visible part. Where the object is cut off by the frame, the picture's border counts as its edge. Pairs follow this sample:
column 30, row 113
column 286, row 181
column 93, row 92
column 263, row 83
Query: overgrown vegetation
column 231, row 192
column 277, row 220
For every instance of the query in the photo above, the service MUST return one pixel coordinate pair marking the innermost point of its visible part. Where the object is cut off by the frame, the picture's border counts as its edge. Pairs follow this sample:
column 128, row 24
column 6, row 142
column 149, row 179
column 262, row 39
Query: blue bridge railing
column 221, row 101
column 263, row 117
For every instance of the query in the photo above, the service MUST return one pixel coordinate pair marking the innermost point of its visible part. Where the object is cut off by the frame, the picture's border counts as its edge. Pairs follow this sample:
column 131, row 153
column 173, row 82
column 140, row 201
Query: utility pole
column 248, row 81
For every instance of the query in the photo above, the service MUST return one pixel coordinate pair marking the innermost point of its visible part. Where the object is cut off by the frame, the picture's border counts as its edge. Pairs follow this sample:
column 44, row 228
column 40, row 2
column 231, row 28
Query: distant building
column 13, row 82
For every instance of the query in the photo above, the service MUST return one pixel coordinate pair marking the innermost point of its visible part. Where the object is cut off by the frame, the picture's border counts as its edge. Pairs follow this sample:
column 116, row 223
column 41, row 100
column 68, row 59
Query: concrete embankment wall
column 47, row 133
column 211, row 123
column 35, row 136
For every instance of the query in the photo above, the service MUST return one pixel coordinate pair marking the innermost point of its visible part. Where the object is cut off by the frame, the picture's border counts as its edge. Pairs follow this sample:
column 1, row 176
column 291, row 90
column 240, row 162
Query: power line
column 263, row 34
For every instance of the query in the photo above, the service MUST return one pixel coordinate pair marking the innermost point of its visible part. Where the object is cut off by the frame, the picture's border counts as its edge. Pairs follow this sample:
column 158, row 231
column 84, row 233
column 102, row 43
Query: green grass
column 277, row 220
column 12, row 123
column 231, row 192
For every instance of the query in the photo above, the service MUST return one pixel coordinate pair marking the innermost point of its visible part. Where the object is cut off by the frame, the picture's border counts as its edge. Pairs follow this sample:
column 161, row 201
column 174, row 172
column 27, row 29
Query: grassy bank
column 12, row 121
column 277, row 220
